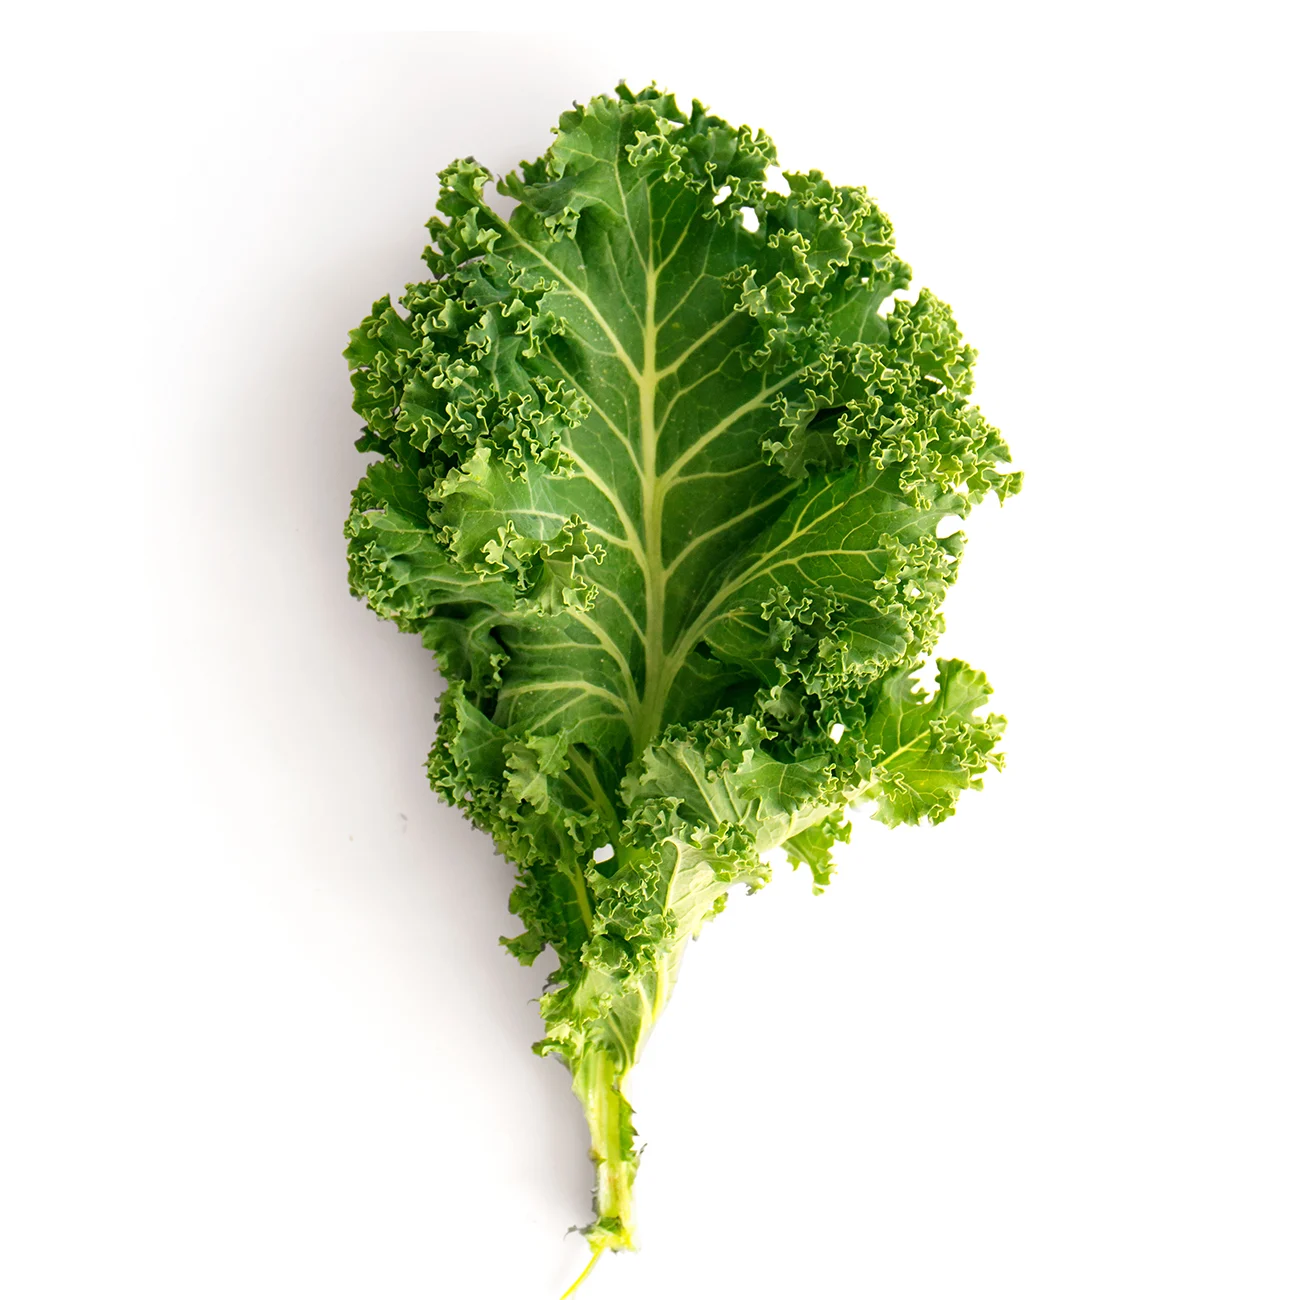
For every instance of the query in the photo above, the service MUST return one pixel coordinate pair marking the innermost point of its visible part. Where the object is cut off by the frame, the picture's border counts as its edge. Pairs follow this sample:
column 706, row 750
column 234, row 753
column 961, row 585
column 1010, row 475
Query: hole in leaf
column 722, row 195
column 837, row 730
column 888, row 302
column 603, row 854
column 749, row 219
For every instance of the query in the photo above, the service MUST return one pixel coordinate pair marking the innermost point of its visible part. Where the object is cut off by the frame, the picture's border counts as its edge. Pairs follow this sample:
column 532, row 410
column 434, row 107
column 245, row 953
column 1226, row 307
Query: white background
column 259, row 1038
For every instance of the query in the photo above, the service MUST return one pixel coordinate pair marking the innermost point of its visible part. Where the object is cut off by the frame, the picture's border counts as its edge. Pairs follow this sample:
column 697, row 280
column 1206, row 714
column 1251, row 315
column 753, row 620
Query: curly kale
column 663, row 461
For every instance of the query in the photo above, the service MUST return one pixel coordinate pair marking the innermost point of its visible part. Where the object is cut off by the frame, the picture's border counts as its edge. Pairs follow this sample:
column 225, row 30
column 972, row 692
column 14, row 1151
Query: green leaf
column 661, row 473
column 926, row 749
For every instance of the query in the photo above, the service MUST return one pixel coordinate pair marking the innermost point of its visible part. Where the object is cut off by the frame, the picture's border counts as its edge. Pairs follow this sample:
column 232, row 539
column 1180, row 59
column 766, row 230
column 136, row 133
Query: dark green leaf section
column 661, row 467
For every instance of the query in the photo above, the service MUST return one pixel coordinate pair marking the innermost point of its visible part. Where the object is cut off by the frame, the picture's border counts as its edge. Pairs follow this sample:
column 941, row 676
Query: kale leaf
column 663, row 464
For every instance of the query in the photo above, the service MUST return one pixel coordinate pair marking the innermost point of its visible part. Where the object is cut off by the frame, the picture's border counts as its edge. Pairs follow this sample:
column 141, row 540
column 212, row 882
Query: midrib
column 651, row 710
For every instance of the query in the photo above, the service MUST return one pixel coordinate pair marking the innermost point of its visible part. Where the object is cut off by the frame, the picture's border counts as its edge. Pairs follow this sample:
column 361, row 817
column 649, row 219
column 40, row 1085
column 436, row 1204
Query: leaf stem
column 598, row 1083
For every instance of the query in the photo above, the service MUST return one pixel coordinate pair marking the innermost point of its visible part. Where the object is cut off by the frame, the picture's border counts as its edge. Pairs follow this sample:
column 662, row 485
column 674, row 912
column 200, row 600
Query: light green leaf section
column 659, row 480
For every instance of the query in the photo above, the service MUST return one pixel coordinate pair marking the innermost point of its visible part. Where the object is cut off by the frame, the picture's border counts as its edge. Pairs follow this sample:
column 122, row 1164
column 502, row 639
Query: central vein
column 652, row 523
